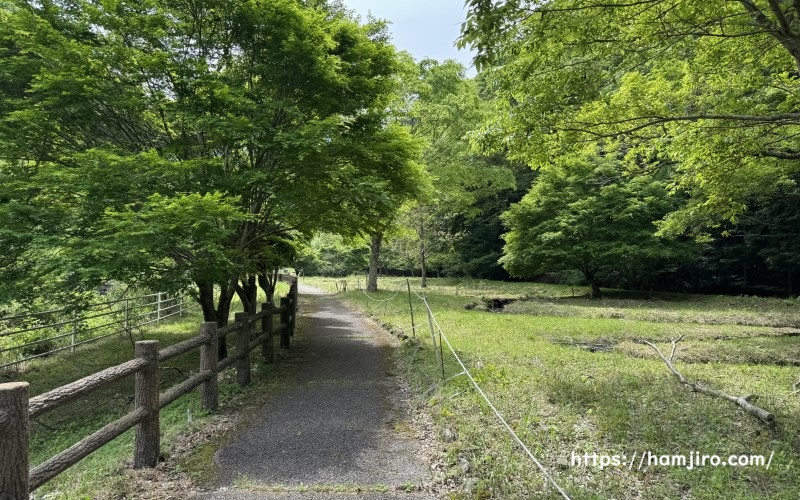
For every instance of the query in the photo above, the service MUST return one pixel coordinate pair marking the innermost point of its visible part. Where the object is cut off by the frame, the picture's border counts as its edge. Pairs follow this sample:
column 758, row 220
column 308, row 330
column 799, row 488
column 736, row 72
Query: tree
column 238, row 119
column 590, row 216
column 395, row 148
column 446, row 107
column 709, row 87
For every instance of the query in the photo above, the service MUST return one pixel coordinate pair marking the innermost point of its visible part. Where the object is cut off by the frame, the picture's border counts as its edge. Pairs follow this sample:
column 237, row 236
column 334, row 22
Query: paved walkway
column 340, row 432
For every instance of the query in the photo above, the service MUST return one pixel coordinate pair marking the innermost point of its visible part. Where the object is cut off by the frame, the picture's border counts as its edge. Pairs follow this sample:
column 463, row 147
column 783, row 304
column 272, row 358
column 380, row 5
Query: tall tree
column 447, row 106
column 236, row 119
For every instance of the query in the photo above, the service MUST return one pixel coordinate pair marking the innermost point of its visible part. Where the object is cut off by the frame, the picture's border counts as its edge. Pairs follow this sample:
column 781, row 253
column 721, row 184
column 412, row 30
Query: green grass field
column 571, row 375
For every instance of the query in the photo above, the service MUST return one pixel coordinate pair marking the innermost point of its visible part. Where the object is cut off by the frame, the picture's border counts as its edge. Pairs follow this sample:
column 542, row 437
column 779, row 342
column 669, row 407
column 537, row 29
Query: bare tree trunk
column 374, row 261
column 248, row 293
column 206, row 299
column 268, row 280
column 223, row 311
column 594, row 286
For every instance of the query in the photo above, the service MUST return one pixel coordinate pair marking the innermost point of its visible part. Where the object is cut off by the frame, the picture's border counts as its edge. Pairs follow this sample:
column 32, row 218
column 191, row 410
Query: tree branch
column 743, row 401
column 586, row 127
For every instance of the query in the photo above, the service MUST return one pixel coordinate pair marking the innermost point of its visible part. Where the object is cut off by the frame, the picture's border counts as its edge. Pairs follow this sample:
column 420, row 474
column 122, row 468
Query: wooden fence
column 16, row 408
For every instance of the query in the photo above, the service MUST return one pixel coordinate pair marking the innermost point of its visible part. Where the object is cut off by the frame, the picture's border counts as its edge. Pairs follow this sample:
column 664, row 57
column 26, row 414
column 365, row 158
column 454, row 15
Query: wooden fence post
column 285, row 320
column 148, row 432
column 14, row 438
column 243, row 349
column 268, row 347
column 293, row 294
column 208, row 361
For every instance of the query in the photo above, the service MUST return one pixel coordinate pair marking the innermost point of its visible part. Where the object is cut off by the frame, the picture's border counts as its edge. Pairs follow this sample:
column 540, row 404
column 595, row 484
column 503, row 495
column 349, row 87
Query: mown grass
column 102, row 474
column 579, row 381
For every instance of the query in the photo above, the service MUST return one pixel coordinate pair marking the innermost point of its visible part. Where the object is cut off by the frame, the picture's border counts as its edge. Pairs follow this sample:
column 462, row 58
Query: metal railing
column 25, row 337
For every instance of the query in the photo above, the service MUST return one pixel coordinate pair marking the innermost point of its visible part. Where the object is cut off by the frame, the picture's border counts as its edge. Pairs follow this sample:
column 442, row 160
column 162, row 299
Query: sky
column 425, row 28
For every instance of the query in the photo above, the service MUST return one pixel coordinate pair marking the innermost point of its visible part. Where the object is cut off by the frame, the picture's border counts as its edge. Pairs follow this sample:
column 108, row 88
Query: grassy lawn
column 571, row 375
column 186, row 428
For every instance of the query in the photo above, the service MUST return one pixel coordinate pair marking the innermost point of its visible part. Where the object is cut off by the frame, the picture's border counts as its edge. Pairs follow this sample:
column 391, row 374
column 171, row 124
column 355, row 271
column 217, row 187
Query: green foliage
column 708, row 88
column 170, row 144
column 443, row 106
column 331, row 255
column 591, row 216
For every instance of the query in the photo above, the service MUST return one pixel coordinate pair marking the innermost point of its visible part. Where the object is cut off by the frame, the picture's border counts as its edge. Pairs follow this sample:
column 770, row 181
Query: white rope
column 497, row 413
column 396, row 291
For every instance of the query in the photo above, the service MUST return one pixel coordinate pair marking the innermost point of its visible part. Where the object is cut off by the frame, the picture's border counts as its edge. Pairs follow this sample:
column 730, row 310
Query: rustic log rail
column 17, row 409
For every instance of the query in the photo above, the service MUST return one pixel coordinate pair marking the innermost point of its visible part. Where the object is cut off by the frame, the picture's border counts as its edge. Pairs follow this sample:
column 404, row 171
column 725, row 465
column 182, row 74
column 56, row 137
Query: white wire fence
column 26, row 337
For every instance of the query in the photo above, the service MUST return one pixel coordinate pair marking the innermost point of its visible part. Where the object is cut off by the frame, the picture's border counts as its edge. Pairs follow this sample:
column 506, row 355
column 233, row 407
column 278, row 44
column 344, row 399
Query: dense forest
column 199, row 146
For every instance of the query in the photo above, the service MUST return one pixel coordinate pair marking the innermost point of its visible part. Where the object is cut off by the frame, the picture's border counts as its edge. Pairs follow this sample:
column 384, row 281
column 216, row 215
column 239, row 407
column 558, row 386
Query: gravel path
column 341, row 432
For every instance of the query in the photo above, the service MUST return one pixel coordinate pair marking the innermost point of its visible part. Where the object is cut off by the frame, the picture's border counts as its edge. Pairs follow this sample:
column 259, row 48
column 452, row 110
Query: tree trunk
column 206, row 299
column 594, row 286
column 268, row 280
column 223, row 311
column 219, row 313
column 374, row 261
column 248, row 294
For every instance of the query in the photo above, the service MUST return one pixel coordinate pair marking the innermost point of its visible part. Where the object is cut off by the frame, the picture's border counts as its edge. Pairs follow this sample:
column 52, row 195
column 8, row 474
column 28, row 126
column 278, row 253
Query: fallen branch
column 796, row 386
column 743, row 401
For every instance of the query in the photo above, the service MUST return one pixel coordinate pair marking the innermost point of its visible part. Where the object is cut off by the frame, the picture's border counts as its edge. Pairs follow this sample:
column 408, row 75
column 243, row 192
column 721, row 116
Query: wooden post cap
column 11, row 386
column 5, row 415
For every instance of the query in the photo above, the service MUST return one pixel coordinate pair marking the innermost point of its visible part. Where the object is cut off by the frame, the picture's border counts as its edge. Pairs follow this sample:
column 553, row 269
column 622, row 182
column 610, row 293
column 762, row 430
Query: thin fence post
column 127, row 315
column 243, row 349
column 158, row 307
column 148, row 432
column 208, row 361
column 285, row 313
column 268, row 347
column 411, row 308
column 180, row 306
column 14, row 438
column 439, row 350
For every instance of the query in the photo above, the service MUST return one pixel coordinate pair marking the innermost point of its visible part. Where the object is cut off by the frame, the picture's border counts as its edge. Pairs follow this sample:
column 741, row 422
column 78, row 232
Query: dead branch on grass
column 796, row 386
column 743, row 401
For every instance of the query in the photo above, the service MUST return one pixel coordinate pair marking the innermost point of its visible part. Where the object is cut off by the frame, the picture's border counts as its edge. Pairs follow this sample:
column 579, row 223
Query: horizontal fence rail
column 26, row 337
column 17, row 408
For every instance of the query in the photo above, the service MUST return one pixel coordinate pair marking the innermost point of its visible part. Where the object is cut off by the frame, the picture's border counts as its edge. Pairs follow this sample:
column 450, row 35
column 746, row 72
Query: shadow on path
column 339, row 431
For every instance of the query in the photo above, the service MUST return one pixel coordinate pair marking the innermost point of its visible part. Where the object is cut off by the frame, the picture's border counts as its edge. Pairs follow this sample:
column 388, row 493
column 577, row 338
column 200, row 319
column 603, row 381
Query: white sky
column 425, row 28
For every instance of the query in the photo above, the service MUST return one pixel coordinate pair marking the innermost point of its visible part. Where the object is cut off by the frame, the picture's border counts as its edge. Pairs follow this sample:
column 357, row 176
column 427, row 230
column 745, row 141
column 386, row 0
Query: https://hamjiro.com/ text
column 690, row 460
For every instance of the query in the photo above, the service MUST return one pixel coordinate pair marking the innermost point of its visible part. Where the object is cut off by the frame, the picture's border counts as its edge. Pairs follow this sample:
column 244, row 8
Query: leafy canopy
column 708, row 87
